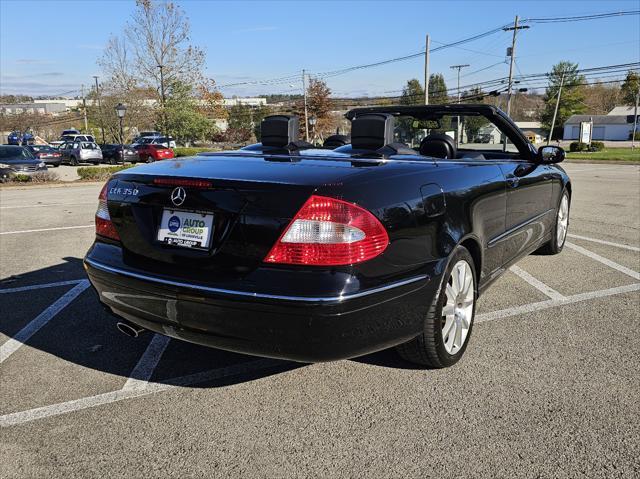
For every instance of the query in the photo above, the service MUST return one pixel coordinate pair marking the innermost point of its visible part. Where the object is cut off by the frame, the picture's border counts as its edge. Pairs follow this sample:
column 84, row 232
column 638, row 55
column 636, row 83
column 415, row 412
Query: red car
column 150, row 153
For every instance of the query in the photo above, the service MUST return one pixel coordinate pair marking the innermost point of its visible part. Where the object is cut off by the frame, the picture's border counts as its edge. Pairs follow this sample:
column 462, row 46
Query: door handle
column 512, row 181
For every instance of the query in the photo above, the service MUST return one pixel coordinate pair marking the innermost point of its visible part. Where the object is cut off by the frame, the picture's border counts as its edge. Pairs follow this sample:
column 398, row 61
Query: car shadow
column 83, row 333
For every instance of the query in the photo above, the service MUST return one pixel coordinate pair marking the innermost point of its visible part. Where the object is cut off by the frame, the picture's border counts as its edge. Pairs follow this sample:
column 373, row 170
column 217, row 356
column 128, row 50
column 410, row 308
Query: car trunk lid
column 252, row 199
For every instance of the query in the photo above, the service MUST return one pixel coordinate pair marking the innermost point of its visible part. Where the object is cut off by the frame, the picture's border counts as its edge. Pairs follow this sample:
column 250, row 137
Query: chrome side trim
column 325, row 299
column 510, row 231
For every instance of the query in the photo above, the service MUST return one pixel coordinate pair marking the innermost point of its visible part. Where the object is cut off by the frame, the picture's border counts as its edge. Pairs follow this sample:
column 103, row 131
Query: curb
column 602, row 162
column 50, row 185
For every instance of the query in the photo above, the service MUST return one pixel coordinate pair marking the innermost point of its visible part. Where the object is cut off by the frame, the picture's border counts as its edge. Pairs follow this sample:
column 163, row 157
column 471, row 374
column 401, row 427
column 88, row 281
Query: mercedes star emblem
column 178, row 195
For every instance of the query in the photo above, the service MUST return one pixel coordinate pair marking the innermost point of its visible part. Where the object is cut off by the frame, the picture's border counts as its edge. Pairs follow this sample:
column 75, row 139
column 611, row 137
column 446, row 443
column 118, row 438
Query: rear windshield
column 89, row 146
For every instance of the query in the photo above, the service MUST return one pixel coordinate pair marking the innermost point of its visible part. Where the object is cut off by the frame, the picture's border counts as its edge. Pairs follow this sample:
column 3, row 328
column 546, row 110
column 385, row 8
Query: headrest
column 279, row 130
column 372, row 131
column 438, row 145
column 334, row 141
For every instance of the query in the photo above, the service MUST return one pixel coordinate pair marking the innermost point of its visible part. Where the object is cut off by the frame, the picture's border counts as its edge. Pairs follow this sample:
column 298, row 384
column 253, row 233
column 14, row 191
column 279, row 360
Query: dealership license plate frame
column 165, row 237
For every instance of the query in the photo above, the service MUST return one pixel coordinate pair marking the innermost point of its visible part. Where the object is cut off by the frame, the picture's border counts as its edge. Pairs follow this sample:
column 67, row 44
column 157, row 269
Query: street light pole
column 312, row 122
column 120, row 111
column 306, row 113
column 95, row 77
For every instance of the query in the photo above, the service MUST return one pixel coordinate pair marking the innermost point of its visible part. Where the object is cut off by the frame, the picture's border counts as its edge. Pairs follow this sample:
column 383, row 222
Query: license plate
column 186, row 229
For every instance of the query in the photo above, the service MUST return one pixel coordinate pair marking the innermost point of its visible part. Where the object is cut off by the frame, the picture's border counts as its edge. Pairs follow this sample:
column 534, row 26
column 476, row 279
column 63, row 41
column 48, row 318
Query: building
column 605, row 127
column 244, row 101
column 42, row 108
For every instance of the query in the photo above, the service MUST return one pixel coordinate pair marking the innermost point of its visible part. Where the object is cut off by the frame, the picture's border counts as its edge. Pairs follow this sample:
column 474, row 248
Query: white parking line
column 110, row 397
column 47, row 229
column 552, row 303
column 608, row 243
column 142, row 372
column 13, row 344
column 40, row 286
column 605, row 261
column 536, row 283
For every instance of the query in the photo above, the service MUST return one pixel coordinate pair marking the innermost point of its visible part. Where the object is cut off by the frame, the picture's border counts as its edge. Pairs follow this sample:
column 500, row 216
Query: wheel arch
column 472, row 244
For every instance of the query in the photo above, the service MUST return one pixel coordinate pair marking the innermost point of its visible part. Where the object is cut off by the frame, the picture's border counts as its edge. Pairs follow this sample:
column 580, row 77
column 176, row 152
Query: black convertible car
column 283, row 250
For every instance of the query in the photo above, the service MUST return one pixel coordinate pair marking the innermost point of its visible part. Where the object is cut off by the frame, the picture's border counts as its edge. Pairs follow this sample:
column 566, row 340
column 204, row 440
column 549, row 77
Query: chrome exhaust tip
column 130, row 329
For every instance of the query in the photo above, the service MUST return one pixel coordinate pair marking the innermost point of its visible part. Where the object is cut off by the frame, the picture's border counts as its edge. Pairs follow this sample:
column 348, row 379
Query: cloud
column 255, row 29
column 34, row 75
column 33, row 61
column 35, row 88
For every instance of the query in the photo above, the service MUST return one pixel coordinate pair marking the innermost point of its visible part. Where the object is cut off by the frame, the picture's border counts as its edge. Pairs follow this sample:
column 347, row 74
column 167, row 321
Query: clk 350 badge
column 116, row 190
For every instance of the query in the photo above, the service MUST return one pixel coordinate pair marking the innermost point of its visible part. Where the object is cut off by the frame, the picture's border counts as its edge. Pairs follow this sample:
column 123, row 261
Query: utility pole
column 512, row 54
column 95, row 77
column 458, row 129
column 426, row 70
column 84, row 110
column 635, row 121
column 555, row 112
column 306, row 113
column 458, row 67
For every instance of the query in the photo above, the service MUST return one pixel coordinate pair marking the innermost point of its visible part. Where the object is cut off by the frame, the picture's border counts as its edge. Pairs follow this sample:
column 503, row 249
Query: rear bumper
column 52, row 161
column 306, row 329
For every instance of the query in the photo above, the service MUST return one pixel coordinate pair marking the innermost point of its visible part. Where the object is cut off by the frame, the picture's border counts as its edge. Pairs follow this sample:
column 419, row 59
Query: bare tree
column 117, row 65
column 158, row 35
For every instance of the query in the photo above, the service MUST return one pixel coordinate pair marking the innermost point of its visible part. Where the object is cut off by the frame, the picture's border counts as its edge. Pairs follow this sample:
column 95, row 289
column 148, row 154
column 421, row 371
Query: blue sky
column 49, row 47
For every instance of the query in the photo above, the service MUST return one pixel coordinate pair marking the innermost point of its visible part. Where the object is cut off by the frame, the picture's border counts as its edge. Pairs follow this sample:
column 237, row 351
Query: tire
column 73, row 161
column 148, row 159
column 430, row 348
column 559, row 232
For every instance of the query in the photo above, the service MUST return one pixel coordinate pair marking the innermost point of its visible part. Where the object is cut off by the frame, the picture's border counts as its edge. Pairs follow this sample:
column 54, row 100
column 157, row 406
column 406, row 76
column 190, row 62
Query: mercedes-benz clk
column 285, row 250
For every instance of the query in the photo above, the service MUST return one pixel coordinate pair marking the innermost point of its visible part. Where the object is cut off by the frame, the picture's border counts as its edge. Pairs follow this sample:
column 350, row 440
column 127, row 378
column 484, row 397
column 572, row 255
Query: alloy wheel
column 457, row 311
column 563, row 220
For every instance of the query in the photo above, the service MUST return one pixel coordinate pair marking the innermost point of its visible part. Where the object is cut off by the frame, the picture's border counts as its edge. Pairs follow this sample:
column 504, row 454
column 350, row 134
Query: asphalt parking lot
column 548, row 387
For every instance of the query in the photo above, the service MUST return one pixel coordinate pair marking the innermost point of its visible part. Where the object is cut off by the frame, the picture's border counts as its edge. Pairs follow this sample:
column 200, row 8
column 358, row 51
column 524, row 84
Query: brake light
column 104, row 226
column 330, row 232
column 182, row 182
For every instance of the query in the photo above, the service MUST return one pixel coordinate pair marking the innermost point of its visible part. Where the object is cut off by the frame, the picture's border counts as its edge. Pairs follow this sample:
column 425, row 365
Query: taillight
column 329, row 232
column 104, row 226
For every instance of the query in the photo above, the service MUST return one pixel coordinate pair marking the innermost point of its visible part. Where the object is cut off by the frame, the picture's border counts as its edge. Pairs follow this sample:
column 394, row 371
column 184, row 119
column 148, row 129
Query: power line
column 581, row 18
column 456, row 44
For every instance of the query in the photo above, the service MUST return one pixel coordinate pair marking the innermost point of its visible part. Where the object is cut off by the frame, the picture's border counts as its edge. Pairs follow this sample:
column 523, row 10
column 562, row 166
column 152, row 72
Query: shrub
column 20, row 178
column 637, row 135
column 190, row 151
column 44, row 177
column 577, row 146
column 597, row 146
column 97, row 173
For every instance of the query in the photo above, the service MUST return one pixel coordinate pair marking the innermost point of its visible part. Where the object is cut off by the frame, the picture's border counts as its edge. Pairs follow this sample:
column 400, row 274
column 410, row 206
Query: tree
column 259, row 113
column 473, row 124
column 412, row 93
column 319, row 106
column 437, row 89
column 158, row 34
column 630, row 88
column 240, row 123
column 600, row 98
column 182, row 115
column 571, row 98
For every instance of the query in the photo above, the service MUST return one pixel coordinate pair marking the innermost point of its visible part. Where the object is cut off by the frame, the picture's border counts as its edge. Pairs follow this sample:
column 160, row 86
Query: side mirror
column 550, row 154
